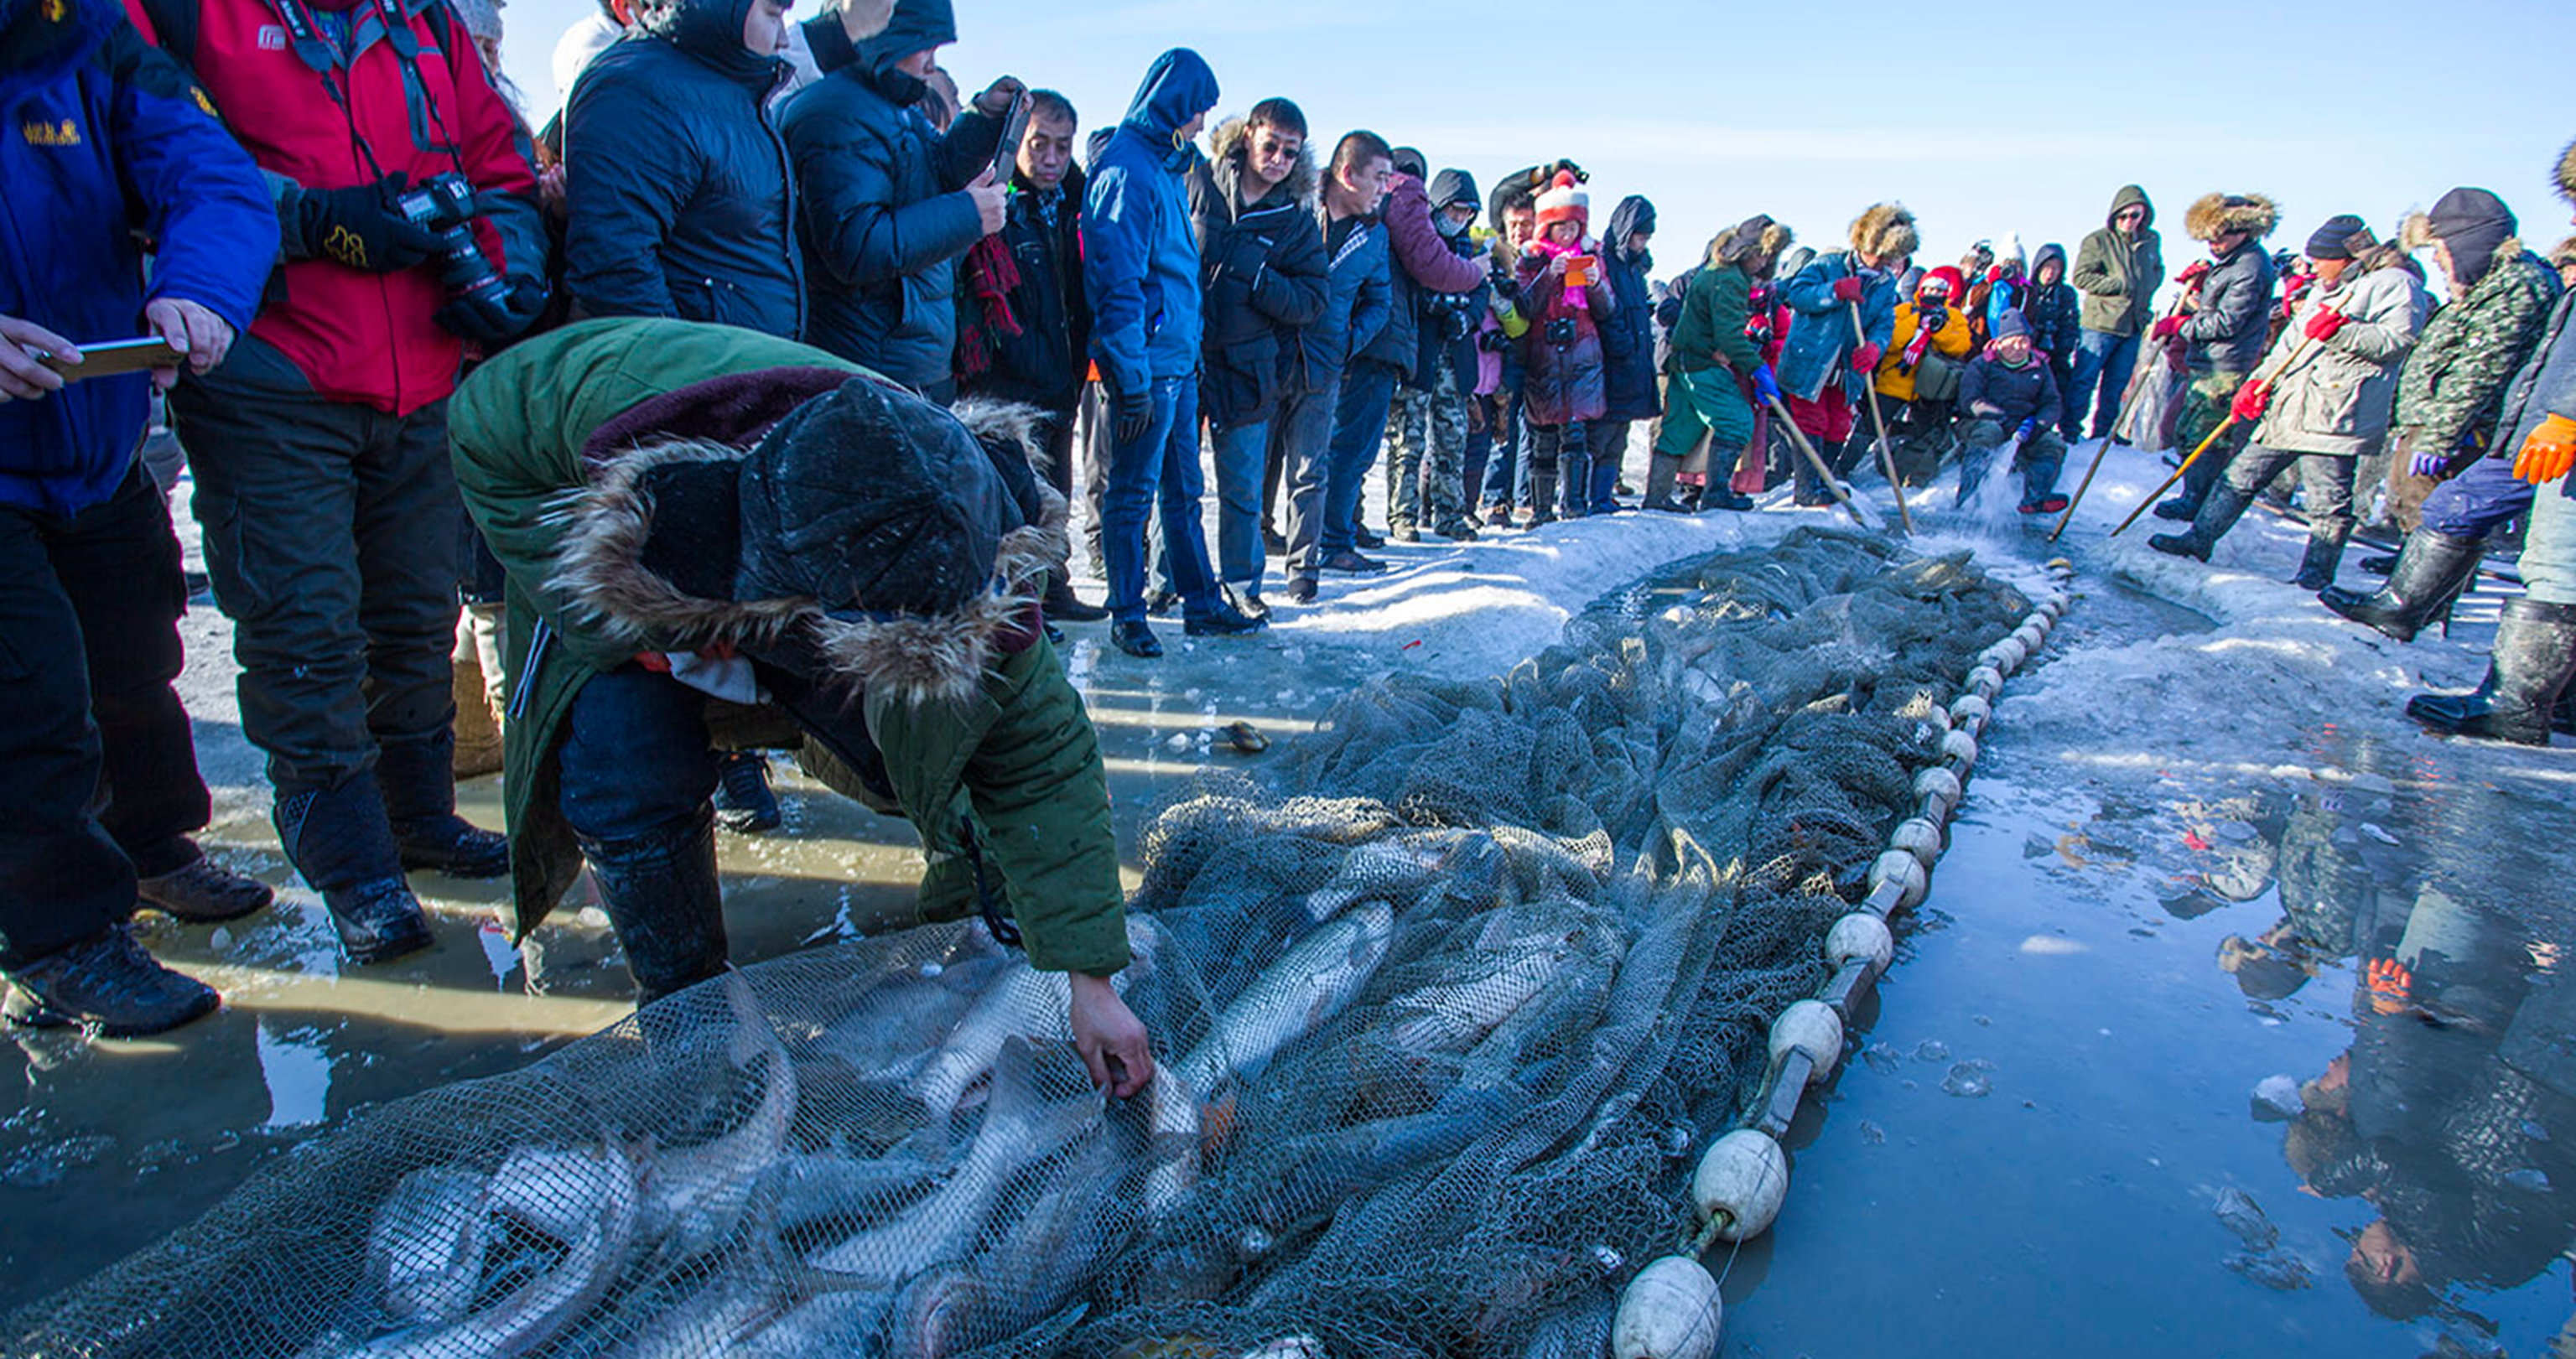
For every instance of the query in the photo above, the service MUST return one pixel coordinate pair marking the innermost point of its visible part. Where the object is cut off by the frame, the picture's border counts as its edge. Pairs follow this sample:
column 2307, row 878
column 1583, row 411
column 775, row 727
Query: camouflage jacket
column 2454, row 384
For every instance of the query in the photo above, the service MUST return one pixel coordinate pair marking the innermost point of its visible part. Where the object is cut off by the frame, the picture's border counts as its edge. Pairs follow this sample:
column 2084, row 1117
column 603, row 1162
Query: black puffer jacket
column 1262, row 273
column 2234, row 321
column 2054, row 310
column 1044, row 364
column 678, row 181
column 1994, row 390
column 884, row 217
column 1628, row 338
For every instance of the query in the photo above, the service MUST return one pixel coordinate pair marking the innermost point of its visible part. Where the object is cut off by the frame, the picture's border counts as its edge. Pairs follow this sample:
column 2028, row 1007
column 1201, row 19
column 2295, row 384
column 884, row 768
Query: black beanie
column 2335, row 240
column 2471, row 223
column 871, row 500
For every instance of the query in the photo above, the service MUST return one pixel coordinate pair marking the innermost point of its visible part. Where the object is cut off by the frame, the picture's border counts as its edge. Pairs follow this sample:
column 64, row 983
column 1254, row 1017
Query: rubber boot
column 1659, row 475
column 2565, row 721
column 2535, row 656
column 418, row 776
column 2219, row 513
column 2317, row 566
column 339, row 840
column 1574, row 476
column 1542, row 496
column 2430, row 573
column 662, row 896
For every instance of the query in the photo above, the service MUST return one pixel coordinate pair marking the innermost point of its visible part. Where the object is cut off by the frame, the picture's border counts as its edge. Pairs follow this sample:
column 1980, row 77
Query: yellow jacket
column 1951, row 341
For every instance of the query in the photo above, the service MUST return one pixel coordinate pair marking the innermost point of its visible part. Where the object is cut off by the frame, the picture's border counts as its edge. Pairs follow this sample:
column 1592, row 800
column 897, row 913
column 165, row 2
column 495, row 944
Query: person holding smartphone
column 105, row 143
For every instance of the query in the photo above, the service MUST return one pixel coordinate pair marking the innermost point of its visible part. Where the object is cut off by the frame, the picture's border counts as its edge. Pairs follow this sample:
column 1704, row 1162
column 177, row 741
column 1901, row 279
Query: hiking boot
column 2431, row 571
column 1136, row 638
column 1725, row 498
column 1353, row 564
column 417, row 778
column 379, row 920
column 1459, row 532
column 1498, row 516
column 108, row 986
column 661, row 895
column 1302, row 590
column 1160, row 603
column 1364, row 540
column 2047, row 504
column 1403, row 533
column 2535, row 656
column 1246, row 602
column 744, row 803
column 1223, row 621
column 203, row 892
column 1063, row 606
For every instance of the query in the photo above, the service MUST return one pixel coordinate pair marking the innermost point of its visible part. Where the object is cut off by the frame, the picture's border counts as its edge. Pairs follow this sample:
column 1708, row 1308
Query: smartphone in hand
column 116, row 358
column 1015, row 126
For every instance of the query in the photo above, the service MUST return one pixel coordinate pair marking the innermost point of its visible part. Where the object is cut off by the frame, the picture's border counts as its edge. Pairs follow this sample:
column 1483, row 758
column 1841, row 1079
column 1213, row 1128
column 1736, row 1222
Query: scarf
column 992, row 275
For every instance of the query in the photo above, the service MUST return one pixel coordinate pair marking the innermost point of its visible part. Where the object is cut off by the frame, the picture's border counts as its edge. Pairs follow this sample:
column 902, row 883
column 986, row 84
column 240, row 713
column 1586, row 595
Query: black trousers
column 98, row 772
column 331, row 536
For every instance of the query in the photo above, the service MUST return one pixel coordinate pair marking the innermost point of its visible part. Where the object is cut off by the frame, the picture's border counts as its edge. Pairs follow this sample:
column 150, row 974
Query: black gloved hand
column 1494, row 341
column 1135, row 414
column 358, row 226
column 493, row 322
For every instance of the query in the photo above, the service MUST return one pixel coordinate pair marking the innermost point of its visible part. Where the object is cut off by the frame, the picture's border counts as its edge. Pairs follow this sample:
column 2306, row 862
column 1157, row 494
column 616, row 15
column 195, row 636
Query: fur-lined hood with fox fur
column 1886, row 231
column 910, row 576
column 1231, row 143
column 2213, row 215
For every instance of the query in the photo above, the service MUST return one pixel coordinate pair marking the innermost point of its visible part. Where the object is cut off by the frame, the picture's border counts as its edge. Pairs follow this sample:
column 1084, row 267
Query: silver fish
column 1019, row 1130
column 1024, row 1003
column 695, row 1197
column 805, row 1191
column 835, row 1323
column 537, row 1311
column 425, row 1251
column 711, row 1323
column 552, row 1191
column 1315, row 981
column 1450, row 1016
column 1380, row 868
column 1035, row 1272
column 1172, row 1157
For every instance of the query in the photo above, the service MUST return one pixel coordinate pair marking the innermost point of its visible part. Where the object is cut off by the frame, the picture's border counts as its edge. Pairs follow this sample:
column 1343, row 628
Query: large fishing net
column 1444, row 1005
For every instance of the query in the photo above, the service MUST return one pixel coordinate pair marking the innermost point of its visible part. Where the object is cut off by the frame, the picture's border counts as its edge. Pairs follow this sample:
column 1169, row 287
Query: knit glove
column 493, row 321
column 2324, row 322
column 2251, row 401
column 2548, row 453
column 1849, row 289
column 2191, row 277
column 1917, row 347
column 2167, row 328
column 2428, row 464
column 1865, row 358
column 2028, row 427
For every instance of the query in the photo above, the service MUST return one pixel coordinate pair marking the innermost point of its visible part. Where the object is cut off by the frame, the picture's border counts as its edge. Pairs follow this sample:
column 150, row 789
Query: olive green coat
column 1016, row 760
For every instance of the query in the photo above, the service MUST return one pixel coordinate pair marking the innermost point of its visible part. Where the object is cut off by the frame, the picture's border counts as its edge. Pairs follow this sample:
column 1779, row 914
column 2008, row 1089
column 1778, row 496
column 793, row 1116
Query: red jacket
column 356, row 336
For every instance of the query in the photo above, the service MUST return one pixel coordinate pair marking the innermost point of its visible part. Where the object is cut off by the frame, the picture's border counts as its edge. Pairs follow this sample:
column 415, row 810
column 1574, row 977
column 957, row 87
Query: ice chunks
column 2276, row 1100
column 1931, row 1050
column 1968, row 1079
column 2272, row 1269
column 1881, row 1058
column 2243, row 1216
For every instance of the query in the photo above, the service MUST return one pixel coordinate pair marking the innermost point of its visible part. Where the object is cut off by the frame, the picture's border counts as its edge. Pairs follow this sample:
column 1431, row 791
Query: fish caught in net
column 1444, row 1004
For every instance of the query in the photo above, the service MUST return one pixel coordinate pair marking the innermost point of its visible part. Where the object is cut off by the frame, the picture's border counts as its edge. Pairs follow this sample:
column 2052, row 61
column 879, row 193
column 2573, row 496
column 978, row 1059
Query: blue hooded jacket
column 90, row 114
column 1820, row 338
column 1140, row 265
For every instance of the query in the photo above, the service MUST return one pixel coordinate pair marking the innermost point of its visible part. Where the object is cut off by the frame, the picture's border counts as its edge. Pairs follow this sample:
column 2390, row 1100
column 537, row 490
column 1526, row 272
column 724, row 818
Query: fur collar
column 600, row 578
column 1231, row 143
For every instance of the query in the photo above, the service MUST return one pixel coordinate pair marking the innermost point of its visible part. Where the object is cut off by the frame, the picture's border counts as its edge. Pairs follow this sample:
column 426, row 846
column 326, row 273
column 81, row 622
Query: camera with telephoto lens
column 444, row 206
column 1560, row 332
column 1452, row 312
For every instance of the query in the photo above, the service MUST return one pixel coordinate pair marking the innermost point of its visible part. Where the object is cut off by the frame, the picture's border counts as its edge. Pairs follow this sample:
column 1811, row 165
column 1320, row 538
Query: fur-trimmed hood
column 2213, row 215
column 2567, row 173
column 1756, row 237
column 627, row 567
column 1231, row 142
column 1885, row 231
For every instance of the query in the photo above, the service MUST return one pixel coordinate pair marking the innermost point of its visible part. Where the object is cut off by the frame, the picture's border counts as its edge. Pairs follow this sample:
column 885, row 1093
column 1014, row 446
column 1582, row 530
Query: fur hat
column 2567, row 173
column 1563, row 202
column 2213, row 215
column 1756, row 236
column 1886, row 231
column 2564, row 253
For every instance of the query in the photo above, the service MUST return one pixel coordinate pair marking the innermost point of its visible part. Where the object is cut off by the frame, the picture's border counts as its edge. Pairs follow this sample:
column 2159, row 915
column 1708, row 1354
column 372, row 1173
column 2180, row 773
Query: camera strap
column 317, row 52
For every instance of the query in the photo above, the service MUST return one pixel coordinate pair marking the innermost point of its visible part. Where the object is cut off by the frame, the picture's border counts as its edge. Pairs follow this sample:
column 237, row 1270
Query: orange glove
column 2390, row 985
column 2548, row 454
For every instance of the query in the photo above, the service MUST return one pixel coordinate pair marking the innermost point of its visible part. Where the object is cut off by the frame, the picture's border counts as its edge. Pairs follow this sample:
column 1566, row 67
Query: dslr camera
column 1561, row 332
column 1453, row 313
column 443, row 205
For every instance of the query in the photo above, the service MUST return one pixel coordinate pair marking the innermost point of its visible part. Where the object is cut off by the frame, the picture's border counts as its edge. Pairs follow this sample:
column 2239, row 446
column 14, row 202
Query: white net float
column 1917, row 837
column 1938, row 785
column 1960, row 747
column 1860, row 937
column 1811, row 1027
column 1669, row 1311
column 1969, row 714
column 1742, row 1181
column 1985, row 682
column 1899, row 867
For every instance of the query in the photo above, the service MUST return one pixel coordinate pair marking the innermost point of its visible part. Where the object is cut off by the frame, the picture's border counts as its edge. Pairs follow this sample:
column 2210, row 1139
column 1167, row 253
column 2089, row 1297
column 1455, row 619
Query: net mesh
column 1444, row 1006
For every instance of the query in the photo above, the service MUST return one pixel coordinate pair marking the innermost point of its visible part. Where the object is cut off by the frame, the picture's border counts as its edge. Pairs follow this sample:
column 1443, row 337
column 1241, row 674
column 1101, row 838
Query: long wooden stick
column 2279, row 371
column 1798, row 437
column 2128, row 406
column 1878, row 418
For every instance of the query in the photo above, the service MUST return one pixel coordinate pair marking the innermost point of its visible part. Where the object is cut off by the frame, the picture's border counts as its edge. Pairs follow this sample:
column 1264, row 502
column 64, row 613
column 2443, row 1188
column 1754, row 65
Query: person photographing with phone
column 104, row 146
column 887, row 203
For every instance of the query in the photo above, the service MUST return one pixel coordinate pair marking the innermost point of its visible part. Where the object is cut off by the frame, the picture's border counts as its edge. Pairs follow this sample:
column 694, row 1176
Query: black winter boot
column 418, row 776
column 2317, row 565
column 2216, row 516
column 107, row 985
column 2378, row 563
column 2535, row 656
column 663, row 899
column 2430, row 573
column 1543, row 496
column 340, row 842
column 202, row 891
column 1063, row 606
column 1660, row 472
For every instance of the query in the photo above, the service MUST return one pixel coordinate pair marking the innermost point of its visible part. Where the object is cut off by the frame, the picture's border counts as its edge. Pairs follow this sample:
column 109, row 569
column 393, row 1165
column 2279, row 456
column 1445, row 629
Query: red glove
column 2251, row 401
column 1917, row 347
column 2324, row 322
column 1994, row 273
column 1865, row 358
column 2191, row 277
column 1849, row 289
column 2166, row 329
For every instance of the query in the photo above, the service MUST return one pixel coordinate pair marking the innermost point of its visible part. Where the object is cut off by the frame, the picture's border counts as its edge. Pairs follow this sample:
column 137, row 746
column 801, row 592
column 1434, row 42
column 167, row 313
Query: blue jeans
column 1161, row 468
column 2483, row 498
column 1241, row 453
column 1359, row 426
column 2103, row 362
column 634, row 757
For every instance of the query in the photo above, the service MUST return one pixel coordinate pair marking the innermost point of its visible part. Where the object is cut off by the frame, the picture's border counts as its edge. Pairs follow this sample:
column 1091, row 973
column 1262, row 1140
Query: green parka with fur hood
column 977, row 739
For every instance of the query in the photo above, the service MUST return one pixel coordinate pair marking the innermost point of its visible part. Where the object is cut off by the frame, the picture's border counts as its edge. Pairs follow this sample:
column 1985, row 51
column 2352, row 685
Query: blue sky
column 1980, row 119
